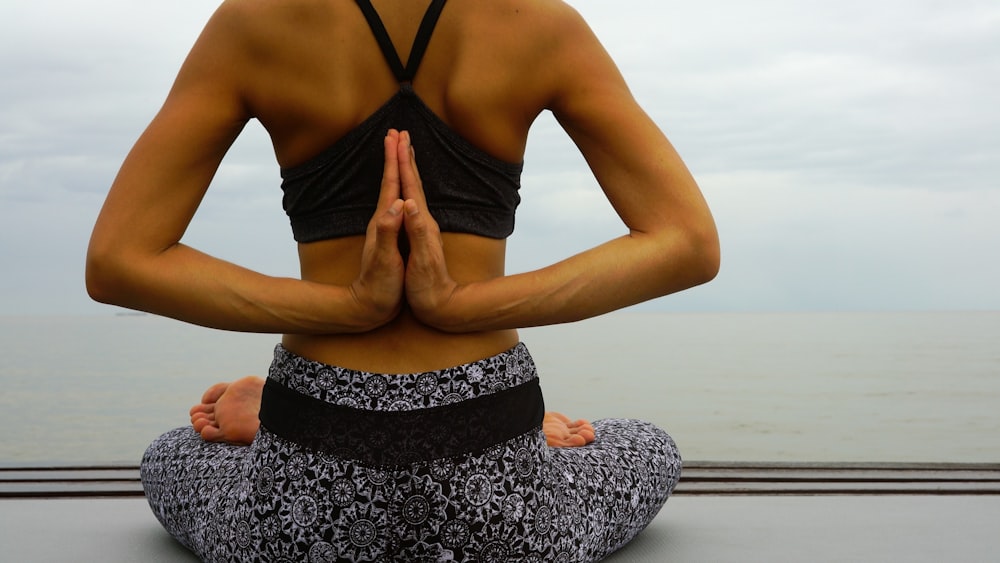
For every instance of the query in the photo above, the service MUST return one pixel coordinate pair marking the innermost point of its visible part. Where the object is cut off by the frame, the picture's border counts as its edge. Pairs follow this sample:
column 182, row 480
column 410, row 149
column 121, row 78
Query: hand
column 378, row 289
column 429, row 287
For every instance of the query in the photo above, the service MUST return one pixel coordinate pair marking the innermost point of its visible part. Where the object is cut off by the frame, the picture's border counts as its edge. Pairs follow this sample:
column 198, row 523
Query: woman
column 401, row 419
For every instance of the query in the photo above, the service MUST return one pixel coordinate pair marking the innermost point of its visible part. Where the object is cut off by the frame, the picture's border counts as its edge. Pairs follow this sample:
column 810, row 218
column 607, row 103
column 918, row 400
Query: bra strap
column 423, row 38
column 382, row 36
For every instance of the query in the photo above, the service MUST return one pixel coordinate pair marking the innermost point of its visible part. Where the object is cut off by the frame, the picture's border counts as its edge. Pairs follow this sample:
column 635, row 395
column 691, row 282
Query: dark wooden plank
column 698, row 478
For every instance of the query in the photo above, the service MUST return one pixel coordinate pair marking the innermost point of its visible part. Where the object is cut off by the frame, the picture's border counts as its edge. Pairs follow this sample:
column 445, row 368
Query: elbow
column 707, row 256
column 103, row 276
column 700, row 257
column 99, row 282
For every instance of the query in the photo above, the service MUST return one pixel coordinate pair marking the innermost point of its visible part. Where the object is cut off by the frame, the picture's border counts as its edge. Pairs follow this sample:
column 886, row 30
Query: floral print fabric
column 517, row 501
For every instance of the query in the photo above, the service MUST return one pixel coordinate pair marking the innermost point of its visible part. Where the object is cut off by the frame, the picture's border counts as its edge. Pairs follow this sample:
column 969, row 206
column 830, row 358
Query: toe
column 211, row 434
column 200, row 424
column 202, row 416
column 202, row 408
column 213, row 393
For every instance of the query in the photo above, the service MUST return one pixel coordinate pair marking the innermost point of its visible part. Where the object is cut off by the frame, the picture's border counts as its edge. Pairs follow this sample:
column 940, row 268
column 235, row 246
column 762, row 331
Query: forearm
column 622, row 272
column 190, row 286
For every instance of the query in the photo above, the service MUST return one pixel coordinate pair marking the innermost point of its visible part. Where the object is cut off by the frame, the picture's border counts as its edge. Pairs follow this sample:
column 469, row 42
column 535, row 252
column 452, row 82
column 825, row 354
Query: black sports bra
column 335, row 193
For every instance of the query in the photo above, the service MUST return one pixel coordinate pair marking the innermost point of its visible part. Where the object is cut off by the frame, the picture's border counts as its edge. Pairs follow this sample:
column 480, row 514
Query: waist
column 384, row 420
column 402, row 346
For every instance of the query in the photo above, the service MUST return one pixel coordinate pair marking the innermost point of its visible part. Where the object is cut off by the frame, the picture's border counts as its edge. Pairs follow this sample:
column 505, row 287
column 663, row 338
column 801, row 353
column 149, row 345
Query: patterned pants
column 514, row 501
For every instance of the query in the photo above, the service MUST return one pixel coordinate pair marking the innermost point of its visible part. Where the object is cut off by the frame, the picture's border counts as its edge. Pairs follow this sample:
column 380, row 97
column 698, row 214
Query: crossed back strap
column 403, row 74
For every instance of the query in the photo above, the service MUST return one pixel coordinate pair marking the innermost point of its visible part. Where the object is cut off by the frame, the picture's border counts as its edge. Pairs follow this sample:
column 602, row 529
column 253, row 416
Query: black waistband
column 395, row 438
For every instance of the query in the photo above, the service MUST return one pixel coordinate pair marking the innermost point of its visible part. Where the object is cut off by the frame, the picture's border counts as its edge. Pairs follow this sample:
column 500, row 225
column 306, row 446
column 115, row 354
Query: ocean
column 813, row 387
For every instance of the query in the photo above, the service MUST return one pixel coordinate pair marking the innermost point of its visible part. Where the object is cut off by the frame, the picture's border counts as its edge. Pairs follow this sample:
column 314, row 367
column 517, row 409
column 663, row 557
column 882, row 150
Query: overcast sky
column 850, row 150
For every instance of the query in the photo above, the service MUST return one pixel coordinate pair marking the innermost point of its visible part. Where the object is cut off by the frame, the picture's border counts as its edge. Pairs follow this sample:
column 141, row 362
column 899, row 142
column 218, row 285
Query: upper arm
column 642, row 175
column 163, row 179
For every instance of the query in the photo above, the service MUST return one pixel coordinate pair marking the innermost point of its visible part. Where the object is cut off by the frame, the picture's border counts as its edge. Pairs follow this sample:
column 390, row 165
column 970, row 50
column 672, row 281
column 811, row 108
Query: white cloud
column 849, row 149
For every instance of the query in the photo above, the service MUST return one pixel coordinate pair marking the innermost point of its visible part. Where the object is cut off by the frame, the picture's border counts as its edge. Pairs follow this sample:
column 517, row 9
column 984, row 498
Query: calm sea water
column 920, row 387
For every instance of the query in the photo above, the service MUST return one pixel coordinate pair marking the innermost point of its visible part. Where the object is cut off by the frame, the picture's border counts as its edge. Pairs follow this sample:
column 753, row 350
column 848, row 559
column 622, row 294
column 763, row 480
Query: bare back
column 329, row 75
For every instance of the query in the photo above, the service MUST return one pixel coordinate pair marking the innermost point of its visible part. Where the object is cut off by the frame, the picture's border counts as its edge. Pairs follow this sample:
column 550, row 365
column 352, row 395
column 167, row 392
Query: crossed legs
column 228, row 413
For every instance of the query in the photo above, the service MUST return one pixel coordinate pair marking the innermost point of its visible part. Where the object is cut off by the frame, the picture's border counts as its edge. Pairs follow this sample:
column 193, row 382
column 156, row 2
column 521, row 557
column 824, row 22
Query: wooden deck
column 721, row 513
column 699, row 478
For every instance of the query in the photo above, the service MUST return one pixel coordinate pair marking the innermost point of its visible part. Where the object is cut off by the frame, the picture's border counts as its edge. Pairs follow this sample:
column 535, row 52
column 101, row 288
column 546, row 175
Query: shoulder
column 263, row 27
column 259, row 21
column 538, row 37
column 539, row 21
column 251, row 12
column 558, row 50
column 246, row 40
column 238, row 45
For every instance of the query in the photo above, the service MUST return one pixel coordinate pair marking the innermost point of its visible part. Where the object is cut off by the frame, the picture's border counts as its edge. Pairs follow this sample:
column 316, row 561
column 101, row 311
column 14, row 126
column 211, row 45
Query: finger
column 421, row 229
column 412, row 153
column 387, row 227
column 411, row 185
column 389, row 190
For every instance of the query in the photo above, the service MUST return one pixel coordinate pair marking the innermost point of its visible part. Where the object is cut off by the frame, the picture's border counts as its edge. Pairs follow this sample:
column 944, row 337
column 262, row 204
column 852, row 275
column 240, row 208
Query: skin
column 310, row 71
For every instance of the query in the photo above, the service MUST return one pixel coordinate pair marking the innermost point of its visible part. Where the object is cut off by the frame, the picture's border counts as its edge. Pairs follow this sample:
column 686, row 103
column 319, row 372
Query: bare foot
column 228, row 411
column 561, row 432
